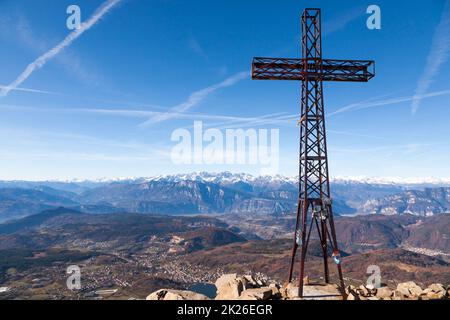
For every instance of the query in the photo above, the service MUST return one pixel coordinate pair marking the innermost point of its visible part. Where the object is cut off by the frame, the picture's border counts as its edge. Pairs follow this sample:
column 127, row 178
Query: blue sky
column 106, row 104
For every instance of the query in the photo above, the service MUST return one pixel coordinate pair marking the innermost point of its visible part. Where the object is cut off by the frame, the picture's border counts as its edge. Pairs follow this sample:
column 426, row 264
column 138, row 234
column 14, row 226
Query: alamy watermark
column 374, row 20
column 374, row 280
column 259, row 147
column 74, row 20
column 73, row 282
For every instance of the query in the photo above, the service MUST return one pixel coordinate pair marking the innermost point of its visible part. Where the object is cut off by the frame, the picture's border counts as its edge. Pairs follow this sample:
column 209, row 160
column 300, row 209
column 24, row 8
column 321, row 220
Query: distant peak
column 227, row 177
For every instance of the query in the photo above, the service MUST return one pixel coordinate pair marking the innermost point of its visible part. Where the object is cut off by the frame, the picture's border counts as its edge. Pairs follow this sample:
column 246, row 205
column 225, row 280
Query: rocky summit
column 248, row 287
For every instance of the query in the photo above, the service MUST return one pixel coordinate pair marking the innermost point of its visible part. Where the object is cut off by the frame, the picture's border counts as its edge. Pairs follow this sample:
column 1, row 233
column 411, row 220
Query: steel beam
column 299, row 69
column 314, row 199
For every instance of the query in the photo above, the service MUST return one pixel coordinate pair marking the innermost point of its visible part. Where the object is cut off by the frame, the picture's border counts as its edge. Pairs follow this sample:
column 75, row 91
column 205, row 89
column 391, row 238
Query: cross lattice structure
column 314, row 201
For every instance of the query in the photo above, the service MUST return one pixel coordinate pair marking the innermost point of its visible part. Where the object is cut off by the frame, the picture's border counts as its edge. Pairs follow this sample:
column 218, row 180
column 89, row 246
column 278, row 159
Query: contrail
column 27, row 90
column 43, row 59
column 197, row 97
column 143, row 113
column 438, row 55
column 386, row 102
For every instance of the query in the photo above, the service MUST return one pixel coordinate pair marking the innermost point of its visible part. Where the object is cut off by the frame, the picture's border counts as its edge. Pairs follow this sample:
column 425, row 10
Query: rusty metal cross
column 314, row 201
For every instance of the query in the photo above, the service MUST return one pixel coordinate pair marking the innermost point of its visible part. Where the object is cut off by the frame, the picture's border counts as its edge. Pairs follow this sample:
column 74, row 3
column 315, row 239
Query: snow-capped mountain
column 225, row 178
column 228, row 177
column 429, row 202
column 218, row 193
column 406, row 182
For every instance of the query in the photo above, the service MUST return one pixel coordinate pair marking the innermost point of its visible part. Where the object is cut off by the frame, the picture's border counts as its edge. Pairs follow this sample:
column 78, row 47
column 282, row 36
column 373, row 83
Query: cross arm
column 301, row 69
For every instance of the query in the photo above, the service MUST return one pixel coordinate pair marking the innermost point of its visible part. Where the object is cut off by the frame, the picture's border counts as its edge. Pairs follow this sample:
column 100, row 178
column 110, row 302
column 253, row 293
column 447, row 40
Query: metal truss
column 299, row 69
column 314, row 202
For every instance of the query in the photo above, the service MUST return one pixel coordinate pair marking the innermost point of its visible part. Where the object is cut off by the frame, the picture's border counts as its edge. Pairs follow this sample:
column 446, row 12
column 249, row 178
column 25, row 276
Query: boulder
column 428, row 294
column 169, row 294
column 250, row 278
column 275, row 290
column 384, row 293
column 263, row 293
column 290, row 291
column 225, row 279
column 229, row 287
column 409, row 289
column 349, row 289
column 274, row 285
column 352, row 295
column 434, row 291
column 437, row 287
column 370, row 286
column 363, row 291
column 260, row 282
column 250, row 281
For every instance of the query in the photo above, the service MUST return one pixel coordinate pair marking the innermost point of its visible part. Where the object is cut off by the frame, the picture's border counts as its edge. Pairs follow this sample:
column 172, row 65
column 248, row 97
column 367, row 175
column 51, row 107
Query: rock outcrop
column 233, row 287
column 435, row 291
column 408, row 289
column 229, row 287
column 249, row 287
column 264, row 293
column 168, row 294
column 404, row 291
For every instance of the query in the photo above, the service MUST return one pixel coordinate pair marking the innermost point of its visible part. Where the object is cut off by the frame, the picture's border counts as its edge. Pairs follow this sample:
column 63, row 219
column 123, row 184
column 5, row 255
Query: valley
column 129, row 255
column 133, row 236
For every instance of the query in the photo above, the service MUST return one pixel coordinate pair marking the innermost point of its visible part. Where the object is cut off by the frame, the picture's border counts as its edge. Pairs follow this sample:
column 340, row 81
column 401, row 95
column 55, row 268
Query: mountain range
column 224, row 193
column 134, row 236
